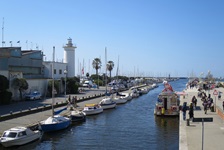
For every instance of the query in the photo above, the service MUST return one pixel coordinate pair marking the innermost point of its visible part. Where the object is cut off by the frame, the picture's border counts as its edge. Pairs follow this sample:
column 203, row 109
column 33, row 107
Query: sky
column 143, row 37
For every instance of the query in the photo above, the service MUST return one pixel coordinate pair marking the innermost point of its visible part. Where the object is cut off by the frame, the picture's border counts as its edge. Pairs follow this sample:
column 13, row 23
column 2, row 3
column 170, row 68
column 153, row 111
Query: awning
column 181, row 93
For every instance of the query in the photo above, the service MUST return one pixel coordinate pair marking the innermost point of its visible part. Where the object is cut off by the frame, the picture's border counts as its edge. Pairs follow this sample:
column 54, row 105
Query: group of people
column 191, row 110
column 73, row 100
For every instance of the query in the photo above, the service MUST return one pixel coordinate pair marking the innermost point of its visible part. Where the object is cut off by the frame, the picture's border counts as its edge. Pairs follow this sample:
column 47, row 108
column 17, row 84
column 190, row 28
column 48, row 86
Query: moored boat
column 167, row 102
column 54, row 123
column 119, row 100
column 92, row 109
column 107, row 103
column 19, row 136
column 77, row 116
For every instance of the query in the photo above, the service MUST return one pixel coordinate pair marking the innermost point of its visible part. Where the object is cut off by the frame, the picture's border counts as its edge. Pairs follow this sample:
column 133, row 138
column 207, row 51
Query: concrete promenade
column 190, row 137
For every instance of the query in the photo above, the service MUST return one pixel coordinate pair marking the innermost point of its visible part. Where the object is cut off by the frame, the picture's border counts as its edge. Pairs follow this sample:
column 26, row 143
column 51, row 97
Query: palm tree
column 110, row 66
column 96, row 64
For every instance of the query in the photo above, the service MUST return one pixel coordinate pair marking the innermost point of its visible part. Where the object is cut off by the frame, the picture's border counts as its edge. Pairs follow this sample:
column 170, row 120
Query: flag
column 18, row 41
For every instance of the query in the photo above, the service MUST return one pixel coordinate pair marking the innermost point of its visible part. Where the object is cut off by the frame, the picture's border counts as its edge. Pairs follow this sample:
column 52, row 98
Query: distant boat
column 19, row 136
column 119, row 100
column 168, row 102
column 55, row 122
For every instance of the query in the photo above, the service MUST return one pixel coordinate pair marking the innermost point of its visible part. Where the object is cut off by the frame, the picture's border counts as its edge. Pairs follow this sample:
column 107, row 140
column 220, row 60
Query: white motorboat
column 107, row 103
column 134, row 93
column 92, row 109
column 144, row 90
column 126, row 96
column 19, row 136
column 119, row 100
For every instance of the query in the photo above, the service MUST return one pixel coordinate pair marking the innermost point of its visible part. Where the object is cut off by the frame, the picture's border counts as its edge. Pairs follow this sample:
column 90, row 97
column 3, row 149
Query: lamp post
column 65, row 72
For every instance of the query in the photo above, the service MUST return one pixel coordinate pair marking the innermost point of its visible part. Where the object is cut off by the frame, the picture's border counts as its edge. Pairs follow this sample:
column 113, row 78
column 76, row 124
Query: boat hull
column 55, row 123
column 21, row 141
column 77, row 116
column 93, row 112
column 108, row 106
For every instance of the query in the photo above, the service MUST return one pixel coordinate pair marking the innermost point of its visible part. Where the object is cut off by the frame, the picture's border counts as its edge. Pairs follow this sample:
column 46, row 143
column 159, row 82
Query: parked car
column 33, row 96
column 88, row 84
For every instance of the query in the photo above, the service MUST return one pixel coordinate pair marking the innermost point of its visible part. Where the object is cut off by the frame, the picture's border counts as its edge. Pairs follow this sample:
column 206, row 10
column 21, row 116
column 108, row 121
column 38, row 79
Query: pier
column 198, row 135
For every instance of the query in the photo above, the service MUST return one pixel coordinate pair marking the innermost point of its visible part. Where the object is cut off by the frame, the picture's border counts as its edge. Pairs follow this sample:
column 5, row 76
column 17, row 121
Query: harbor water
column 128, row 126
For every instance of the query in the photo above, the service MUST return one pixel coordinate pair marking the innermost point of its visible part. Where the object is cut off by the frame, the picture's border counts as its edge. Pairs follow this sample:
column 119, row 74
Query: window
column 60, row 71
column 55, row 71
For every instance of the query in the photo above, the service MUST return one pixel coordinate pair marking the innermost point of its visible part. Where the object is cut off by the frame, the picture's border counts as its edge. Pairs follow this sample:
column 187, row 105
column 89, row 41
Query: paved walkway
column 25, row 105
column 191, row 136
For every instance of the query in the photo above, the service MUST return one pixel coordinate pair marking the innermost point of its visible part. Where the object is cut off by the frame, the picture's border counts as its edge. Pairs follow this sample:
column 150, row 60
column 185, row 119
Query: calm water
column 129, row 126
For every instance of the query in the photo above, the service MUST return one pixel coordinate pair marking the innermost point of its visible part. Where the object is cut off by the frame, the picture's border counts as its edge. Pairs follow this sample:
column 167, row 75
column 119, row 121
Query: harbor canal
column 128, row 126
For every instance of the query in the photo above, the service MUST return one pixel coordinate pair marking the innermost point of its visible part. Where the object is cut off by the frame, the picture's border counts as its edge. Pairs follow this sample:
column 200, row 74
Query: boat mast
column 3, row 33
column 117, row 68
column 53, row 82
column 106, row 68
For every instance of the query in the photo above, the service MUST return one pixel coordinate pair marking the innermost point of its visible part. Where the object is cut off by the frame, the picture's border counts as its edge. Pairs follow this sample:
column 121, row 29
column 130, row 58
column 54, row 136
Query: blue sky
column 150, row 37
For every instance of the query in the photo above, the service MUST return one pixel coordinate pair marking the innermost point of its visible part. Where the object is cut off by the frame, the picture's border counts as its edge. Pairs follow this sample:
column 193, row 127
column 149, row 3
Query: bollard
column 188, row 122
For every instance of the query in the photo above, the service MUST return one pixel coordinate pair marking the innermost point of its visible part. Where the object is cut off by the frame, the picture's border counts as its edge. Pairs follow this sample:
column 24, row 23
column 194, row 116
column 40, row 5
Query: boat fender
column 163, row 111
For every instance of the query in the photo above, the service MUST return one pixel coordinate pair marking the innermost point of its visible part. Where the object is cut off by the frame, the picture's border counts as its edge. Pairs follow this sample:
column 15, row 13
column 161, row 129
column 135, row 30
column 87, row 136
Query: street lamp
column 65, row 72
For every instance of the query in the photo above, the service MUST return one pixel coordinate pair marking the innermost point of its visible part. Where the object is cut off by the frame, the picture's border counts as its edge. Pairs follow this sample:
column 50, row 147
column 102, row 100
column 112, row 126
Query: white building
column 69, row 58
column 59, row 69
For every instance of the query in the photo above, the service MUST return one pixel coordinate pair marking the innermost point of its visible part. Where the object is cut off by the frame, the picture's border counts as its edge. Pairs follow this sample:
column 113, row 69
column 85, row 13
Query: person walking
column 75, row 101
column 205, row 106
column 184, row 109
column 219, row 95
column 223, row 105
column 191, row 111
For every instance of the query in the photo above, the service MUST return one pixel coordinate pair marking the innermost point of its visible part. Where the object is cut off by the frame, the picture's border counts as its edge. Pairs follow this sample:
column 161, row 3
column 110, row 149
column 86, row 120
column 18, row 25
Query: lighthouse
column 69, row 58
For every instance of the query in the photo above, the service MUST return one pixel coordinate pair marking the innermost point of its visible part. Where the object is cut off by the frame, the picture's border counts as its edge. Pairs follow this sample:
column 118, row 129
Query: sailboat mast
column 53, row 82
column 117, row 68
column 3, row 33
column 106, row 68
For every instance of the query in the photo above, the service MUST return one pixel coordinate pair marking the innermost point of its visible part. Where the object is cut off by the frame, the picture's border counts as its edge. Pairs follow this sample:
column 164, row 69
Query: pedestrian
column 184, row 109
column 205, row 106
column 69, row 99
column 191, row 111
column 75, row 101
column 194, row 101
column 219, row 95
column 223, row 105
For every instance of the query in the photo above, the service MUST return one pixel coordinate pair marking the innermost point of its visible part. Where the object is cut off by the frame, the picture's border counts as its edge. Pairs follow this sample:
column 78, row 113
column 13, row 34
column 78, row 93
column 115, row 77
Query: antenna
column 3, row 33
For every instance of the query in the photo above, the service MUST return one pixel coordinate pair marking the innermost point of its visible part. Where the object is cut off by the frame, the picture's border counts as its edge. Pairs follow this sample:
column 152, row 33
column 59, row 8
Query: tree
column 72, row 86
column 4, row 94
column 4, row 82
column 20, row 84
column 56, row 87
column 110, row 66
column 96, row 64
